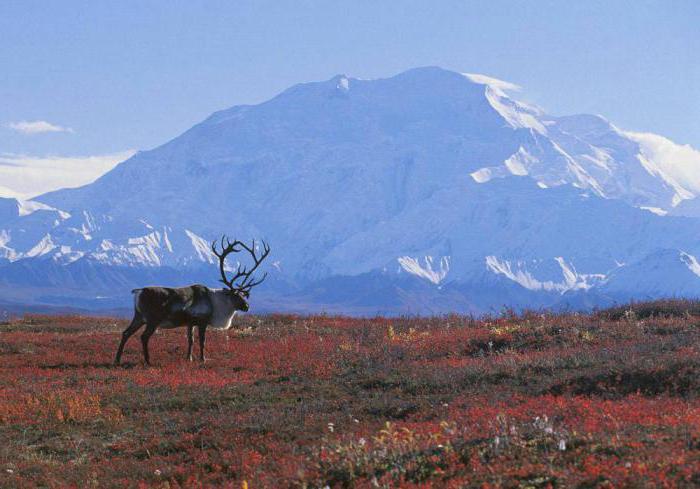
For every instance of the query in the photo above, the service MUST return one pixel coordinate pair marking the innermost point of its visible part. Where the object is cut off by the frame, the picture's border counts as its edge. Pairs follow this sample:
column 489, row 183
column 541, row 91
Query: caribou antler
column 248, row 282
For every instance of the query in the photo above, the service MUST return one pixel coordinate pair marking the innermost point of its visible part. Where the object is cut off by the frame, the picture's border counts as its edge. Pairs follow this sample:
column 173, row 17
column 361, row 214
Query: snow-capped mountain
column 426, row 192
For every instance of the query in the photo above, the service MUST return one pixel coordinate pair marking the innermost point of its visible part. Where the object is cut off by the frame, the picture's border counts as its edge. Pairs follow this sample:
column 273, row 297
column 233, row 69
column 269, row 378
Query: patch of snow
column 66, row 255
column 83, row 231
column 5, row 251
column 145, row 224
column 107, row 245
column 4, row 237
column 482, row 176
column 655, row 210
column 28, row 207
column 43, row 247
column 691, row 262
column 429, row 270
column 601, row 158
column 571, row 280
column 89, row 224
column 525, row 279
column 201, row 247
column 166, row 240
column 582, row 176
column 517, row 164
column 145, row 248
column 343, row 84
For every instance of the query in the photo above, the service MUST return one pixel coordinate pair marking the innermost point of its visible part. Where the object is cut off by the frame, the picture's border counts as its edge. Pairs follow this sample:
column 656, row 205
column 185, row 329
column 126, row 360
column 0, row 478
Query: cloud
column 501, row 85
column 8, row 192
column 36, row 127
column 25, row 176
column 680, row 162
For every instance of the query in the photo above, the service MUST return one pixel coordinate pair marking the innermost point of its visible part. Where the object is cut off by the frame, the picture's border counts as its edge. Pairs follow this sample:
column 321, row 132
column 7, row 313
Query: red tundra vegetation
column 610, row 399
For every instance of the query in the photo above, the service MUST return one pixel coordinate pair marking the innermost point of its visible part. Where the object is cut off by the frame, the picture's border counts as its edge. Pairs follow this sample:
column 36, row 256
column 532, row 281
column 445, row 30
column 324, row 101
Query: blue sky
column 112, row 76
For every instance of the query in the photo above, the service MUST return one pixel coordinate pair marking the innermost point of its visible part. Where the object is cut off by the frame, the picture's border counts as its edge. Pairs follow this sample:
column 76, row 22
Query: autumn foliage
column 610, row 399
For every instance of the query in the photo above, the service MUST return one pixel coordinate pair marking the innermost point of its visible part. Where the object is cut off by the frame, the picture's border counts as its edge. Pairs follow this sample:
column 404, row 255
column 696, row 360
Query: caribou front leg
column 145, row 336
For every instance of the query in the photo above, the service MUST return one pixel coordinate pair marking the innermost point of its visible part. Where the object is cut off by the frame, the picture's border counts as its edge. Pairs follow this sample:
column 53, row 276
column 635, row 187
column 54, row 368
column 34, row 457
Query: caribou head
column 240, row 284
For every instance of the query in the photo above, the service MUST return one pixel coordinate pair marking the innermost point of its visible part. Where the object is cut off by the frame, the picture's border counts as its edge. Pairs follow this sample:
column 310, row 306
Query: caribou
column 196, row 306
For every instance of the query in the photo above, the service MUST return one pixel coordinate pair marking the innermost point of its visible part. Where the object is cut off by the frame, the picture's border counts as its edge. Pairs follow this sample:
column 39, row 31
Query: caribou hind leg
column 190, row 340
column 202, row 330
column 135, row 325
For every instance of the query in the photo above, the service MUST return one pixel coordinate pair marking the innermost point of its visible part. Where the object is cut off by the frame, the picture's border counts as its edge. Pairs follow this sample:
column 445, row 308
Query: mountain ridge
column 427, row 179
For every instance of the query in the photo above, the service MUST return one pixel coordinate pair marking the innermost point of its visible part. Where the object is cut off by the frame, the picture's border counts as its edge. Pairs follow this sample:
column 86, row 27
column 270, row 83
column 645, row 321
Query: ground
column 610, row 399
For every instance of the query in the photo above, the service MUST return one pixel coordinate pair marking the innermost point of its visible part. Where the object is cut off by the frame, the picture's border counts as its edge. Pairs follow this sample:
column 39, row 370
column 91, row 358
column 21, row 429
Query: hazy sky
column 99, row 78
